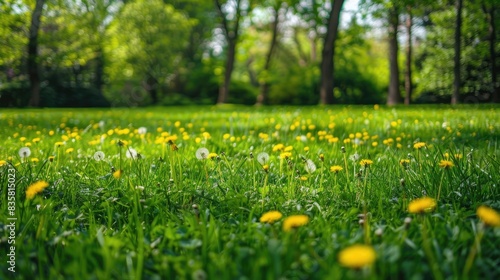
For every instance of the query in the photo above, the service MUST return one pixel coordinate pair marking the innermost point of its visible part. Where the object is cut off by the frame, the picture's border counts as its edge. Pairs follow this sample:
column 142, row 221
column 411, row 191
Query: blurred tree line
column 98, row 53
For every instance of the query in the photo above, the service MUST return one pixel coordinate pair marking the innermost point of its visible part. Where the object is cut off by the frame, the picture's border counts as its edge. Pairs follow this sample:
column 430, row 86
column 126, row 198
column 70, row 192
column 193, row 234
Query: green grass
column 200, row 218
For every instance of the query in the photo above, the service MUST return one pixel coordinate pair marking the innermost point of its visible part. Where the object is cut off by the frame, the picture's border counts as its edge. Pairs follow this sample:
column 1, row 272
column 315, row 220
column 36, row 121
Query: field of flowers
column 250, row 193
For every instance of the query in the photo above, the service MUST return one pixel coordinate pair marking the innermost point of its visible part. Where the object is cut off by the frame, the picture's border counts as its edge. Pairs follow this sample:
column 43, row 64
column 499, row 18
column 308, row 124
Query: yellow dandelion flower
column 295, row 221
column 51, row 158
column 336, row 168
column 278, row 147
column 270, row 217
column 35, row 189
column 288, row 148
column 212, row 155
column 366, row 162
column 303, row 178
column 285, row 155
column 404, row 162
column 35, row 160
column 489, row 216
column 69, row 150
column 3, row 162
column 421, row 205
column 419, row 145
column 118, row 173
column 59, row 144
column 265, row 167
column 357, row 256
column 446, row 164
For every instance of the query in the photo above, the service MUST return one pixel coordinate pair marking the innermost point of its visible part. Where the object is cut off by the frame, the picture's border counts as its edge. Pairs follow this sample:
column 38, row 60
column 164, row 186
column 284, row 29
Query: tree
column 275, row 7
column 394, row 94
column 230, row 14
column 455, row 98
column 327, row 58
column 489, row 10
column 32, row 65
column 146, row 43
column 409, row 51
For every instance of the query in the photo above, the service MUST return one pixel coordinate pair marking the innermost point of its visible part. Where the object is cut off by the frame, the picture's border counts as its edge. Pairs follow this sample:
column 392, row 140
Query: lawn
column 230, row 192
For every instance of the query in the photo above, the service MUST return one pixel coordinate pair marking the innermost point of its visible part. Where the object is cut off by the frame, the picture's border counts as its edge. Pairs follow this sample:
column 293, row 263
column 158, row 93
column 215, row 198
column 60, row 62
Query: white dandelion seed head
column 131, row 153
column 310, row 166
column 142, row 130
column 141, row 188
column 98, row 156
column 101, row 124
column 263, row 158
column 303, row 138
column 202, row 153
column 24, row 152
column 355, row 157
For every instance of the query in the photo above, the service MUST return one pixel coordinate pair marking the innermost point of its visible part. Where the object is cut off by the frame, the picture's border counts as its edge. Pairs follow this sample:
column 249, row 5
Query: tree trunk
column 99, row 70
column 408, row 73
column 231, row 38
column 455, row 98
column 33, row 68
column 224, row 89
column 490, row 14
column 152, row 89
column 327, row 65
column 394, row 95
column 264, row 87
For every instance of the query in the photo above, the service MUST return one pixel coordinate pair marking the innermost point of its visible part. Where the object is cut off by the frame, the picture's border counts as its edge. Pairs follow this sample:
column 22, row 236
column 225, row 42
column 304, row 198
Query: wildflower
column 35, row 189
column 322, row 157
column 285, row 155
column 212, row 155
column 366, row 162
column 489, row 216
column 3, row 162
column 118, row 173
column 24, row 152
column 419, row 145
column 303, row 178
column 263, row 158
column 336, row 168
column 404, row 162
column 59, row 144
column 278, row 147
column 98, row 156
column 446, row 164
column 69, row 150
column 142, row 130
column 51, row 158
column 288, row 148
column 202, row 153
column 270, row 217
column 310, row 166
column 357, row 256
column 35, row 160
column 295, row 221
column 265, row 167
column 421, row 205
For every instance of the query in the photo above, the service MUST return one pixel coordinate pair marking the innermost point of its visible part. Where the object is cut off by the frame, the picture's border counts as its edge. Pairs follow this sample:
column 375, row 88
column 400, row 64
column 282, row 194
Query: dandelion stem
column 440, row 185
column 428, row 252
column 473, row 251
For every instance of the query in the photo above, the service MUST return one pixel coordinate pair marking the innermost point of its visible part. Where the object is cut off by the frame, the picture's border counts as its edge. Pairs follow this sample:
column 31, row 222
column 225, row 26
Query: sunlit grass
column 191, row 192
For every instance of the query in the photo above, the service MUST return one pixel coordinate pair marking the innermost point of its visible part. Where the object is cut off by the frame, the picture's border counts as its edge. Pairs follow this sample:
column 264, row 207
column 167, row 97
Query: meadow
column 341, row 192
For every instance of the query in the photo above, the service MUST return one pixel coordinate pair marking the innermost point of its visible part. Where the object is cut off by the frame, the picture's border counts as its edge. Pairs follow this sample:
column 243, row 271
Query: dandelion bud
column 120, row 143
column 409, row 156
column 342, row 149
column 407, row 221
column 113, row 169
column 322, row 157
column 379, row 232
column 196, row 210
column 361, row 222
column 402, row 182
column 361, row 216
column 171, row 181
column 251, row 155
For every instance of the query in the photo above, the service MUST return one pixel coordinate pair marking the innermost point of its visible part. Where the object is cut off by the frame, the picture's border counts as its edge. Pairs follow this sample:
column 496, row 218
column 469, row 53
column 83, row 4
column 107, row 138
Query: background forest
column 97, row 53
